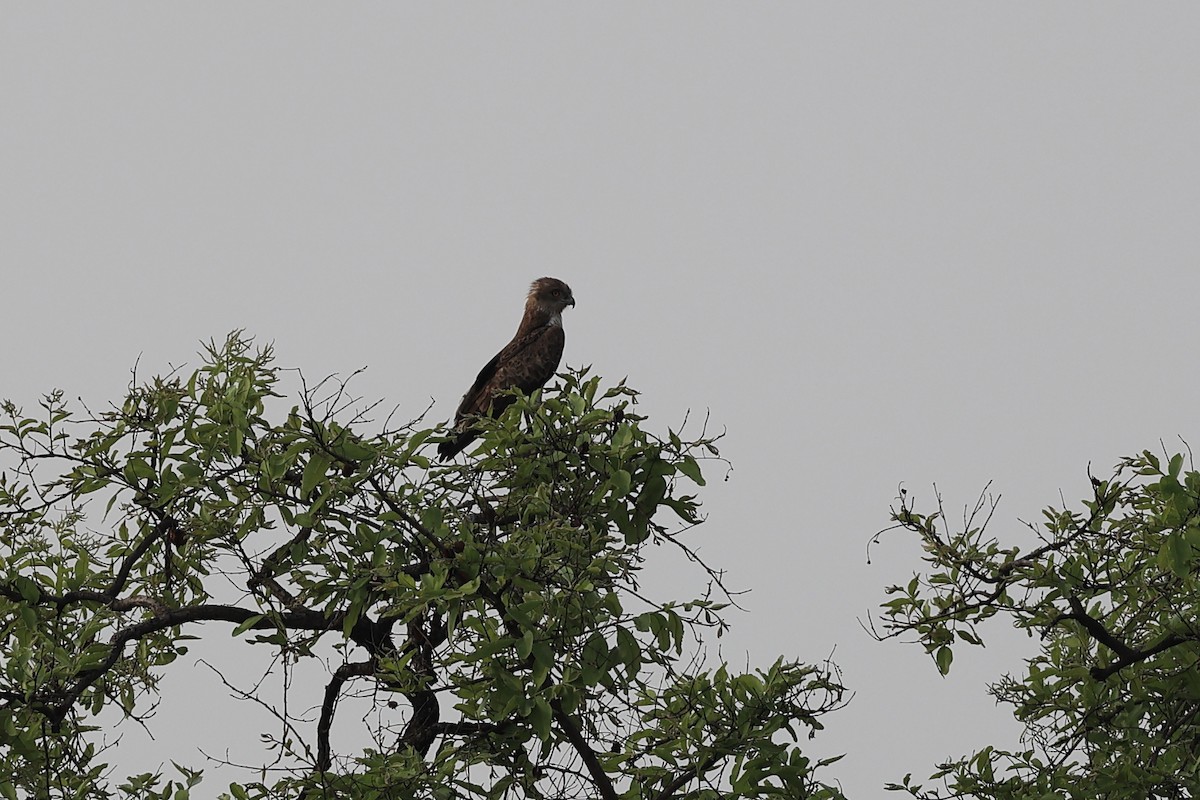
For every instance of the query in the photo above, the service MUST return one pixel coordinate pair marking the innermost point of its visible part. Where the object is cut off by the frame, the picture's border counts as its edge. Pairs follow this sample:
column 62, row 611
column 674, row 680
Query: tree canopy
column 491, row 607
column 493, row 610
column 1111, row 592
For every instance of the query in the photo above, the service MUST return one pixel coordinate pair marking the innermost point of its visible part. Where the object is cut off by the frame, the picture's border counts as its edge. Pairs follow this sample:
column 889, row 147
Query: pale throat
column 555, row 320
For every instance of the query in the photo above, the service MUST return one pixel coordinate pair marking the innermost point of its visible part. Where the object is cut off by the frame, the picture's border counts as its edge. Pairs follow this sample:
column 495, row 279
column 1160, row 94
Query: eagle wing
column 526, row 363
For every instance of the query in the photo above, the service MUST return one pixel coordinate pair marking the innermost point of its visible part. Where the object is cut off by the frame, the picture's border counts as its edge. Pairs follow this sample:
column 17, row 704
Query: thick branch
column 599, row 777
column 1097, row 630
column 332, row 691
column 421, row 730
column 682, row 778
column 165, row 523
column 469, row 728
column 1135, row 656
column 1126, row 655
column 169, row 619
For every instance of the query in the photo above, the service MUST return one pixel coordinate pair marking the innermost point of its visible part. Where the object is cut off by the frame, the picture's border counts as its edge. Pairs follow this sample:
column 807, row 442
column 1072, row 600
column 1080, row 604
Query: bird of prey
column 526, row 363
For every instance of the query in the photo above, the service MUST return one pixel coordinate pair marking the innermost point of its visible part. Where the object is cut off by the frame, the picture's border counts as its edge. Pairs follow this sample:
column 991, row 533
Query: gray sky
column 880, row 243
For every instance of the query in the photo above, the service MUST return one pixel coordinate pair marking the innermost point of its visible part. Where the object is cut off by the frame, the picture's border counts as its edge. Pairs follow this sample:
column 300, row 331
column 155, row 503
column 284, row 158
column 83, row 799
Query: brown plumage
column 527, row 362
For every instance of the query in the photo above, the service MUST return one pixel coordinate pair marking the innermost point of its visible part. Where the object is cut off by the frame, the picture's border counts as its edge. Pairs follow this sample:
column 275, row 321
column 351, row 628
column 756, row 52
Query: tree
column 493, row 607
column 1111, row 700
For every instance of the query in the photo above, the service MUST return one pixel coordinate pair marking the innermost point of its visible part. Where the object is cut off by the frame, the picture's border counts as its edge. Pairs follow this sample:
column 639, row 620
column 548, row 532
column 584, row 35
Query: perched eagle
column 527, row 362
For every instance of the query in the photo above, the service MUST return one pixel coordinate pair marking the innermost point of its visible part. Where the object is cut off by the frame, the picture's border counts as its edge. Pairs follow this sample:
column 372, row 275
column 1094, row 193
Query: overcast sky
column 879, row 243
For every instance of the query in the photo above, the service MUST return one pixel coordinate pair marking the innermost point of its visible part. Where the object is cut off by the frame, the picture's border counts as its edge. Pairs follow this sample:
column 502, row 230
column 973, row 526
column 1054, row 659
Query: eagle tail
column 452, row 447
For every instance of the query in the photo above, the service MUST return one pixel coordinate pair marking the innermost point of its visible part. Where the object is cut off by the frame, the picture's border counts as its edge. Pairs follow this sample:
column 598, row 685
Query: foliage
column 1111, row 702
column 493, row 604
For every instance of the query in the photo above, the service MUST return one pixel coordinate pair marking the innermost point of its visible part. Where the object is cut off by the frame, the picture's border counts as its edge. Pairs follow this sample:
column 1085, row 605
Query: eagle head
column 548, row 297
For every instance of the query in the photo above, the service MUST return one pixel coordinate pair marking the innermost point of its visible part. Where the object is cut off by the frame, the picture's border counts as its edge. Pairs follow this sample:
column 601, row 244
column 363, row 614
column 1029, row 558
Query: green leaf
column 594, row 658
column 540, row 717
column 543, row 661
column 30, row 592
column 486, row 650
column 138, row 468
column 688, row 466
column 29, row 618
column 1176, row 554
column 314, row 472
column 612, row 604
column 944, row 657
column 190, row 470
column 629, row 652
column 525, row 645
column 621, row 481
column 354, row 450
column 247, row 625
